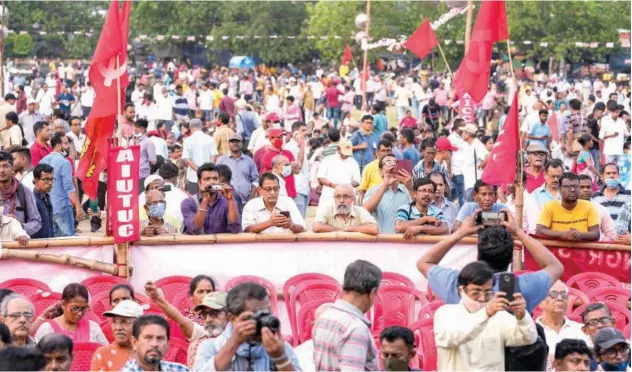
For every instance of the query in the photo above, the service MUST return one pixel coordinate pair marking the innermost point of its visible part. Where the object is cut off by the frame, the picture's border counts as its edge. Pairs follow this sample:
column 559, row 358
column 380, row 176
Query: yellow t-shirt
column 370, row 176
column 343, row 70
column 218, row 97
column 558, row 218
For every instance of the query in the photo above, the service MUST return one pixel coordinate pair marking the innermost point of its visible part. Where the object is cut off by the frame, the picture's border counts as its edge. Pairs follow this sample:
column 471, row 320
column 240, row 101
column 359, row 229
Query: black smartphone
column 166, row 188
column 285, row 213
column 507, row 284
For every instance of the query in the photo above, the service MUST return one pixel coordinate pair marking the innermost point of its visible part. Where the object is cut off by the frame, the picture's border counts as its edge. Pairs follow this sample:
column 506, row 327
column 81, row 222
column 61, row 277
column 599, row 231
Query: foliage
column 18, row 45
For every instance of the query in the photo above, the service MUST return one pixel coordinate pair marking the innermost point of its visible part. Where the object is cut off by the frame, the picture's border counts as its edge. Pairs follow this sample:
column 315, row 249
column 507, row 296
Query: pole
column 468, row 23
column 365, row 58
column 122, row 250
column 517, row 252
column 2, row 26
column 511, row 69
column 444, row 59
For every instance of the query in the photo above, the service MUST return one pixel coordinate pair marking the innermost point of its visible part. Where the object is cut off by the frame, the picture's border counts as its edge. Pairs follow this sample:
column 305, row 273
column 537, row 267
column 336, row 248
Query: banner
column 575, row 261
column 123, row 170
column 467, row 109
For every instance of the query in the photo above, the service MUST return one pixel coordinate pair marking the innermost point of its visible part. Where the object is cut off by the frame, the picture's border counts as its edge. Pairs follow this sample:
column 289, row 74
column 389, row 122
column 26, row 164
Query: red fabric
column 332, row 94
column 491, row 26
column 266, row 166
column 38, row 152
column 103, row 75
column 258, row 157
column 122, row 201
column 553, row 126
column 379, row 64
column 597, row 259
column 422, row 41
column 347, row 56
column 72, row 165
column 82, row 334
column 407, row 122
column 503, row 155
column 534, row 182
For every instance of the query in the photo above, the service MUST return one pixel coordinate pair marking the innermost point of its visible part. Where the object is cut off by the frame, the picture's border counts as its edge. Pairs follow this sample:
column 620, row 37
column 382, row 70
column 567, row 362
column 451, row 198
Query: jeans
column 333, row 113
column 301, row 203
column 416, row 109
column 358, row 101
column 205, row 115
column 458, row 188
column 445, row 112
column 596, row 155
column 64, row 222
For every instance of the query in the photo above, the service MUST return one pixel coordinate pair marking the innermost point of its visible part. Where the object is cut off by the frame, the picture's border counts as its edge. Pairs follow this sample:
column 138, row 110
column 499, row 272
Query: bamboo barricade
column 60, row 259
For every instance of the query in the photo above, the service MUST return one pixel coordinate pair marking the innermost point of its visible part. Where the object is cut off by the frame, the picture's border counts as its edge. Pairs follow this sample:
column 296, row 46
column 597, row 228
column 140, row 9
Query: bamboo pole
column 121, row 251
column 60, row 259
column 365, row 57
column 444, row 59
column 468, row 23
column 511, row 69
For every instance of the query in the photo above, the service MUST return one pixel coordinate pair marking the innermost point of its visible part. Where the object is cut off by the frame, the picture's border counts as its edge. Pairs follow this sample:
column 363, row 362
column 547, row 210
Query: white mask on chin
column 471, row 305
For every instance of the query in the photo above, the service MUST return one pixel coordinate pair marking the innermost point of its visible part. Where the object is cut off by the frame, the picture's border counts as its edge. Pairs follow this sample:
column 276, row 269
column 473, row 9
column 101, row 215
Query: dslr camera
column 214, row 188
column 264, row 318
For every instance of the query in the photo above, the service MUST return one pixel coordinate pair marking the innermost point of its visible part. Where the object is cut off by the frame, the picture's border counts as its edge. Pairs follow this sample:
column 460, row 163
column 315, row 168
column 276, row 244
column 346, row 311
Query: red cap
column 276, row 132
column 444, row 144
column 272, row 116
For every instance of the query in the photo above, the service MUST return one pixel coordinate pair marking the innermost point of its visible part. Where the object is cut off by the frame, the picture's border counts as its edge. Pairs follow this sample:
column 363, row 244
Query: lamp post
column 4, row 31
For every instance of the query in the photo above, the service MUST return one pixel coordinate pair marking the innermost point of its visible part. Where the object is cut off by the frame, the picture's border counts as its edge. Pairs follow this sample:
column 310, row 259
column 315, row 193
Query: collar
column 241, row 156
column 542, row 189
column 343, row 305
column 603, row 188
column 39, row 194
column 261, row 205
column 444, row 203
column 567, row 323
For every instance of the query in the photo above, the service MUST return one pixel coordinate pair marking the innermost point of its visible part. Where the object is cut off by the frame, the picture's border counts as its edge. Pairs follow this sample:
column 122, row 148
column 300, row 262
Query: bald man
column 344, row 215
column 155, row 206
column 281, row 168
column 305, row 351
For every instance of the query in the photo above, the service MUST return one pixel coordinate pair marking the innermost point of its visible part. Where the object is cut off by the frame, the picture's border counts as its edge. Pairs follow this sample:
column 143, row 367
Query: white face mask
column 471, row 305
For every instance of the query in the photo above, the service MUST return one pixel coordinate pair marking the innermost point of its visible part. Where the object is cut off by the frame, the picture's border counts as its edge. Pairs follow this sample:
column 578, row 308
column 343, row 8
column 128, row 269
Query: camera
column 489, row 219
column 214, row 188
column 264, row 318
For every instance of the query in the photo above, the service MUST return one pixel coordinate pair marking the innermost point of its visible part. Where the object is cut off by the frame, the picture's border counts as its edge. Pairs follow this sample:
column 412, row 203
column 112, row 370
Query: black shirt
column 45, row 209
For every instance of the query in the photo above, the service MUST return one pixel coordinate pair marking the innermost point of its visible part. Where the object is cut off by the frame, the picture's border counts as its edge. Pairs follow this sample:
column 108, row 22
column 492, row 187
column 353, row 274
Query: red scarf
column 9, row 196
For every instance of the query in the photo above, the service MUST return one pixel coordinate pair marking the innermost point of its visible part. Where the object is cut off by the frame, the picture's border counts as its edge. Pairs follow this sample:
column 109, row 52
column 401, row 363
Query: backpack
column 24, row 141
column 21, row 195
column 530, row 357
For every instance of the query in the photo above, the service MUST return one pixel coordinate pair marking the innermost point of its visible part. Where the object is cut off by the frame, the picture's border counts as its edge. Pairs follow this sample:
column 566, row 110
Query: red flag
column 347, row 56
column 103, row 77
column 422, row 41
column 553, row 126
column 501, row 166
column 491, row 26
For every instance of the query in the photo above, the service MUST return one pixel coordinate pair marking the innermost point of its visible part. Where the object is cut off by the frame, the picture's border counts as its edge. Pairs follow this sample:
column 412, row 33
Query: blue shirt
column 624, row 170
column 260, row 361
column 380, row 124
column 245, row 174
column 133, row 366
column 468, row 209
column 449, row 210
column 543, row 196
column 45, row 209
column 386, row 211
column 408, row 212
column 62, row 181
column 64, row 102
column 538, row 129
column 534, row 287
column 180, row 106
column 411, row 153
column 364, row 157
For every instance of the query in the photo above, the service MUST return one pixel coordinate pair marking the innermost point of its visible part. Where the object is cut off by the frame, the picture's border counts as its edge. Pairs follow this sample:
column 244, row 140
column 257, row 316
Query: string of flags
column 211, row 38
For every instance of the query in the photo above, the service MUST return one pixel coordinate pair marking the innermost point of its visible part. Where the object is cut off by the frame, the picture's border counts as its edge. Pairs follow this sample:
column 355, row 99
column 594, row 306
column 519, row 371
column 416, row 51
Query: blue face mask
column 615, row 367
column 157, row 210
column 287, row 170
column 612, row 183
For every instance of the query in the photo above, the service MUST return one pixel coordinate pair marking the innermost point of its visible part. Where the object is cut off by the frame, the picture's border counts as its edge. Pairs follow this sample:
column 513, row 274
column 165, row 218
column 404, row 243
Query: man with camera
column 252, row 339
column 485, row 200
column 213, row 210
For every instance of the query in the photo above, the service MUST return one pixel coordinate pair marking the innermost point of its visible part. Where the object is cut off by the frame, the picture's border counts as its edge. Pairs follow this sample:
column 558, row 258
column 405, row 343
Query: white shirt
column 529, row 120
column 27, row 181
column 256, row 212
column 302, row 178
column 199, row 148
column 305, row 355
column 613, row 145
column 87, row 97
column 77, row 140
column 606, row 224
column 164, row 108
column 477, row 342
column 317, row 89
column 530, row 211
column 570, row 329
column 173, row 210
column 137, row 97
column 161, row 147
column 148, row 113
column 46, row 101
column 457, row 159
column 206, row 100
column 339, row 171
column 401, row 96
column 471, row 171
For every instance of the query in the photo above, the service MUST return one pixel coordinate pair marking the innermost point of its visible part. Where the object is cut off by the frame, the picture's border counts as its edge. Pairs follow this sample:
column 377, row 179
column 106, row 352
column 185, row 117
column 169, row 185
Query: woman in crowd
column 121, row 292
column 199, row 287
column 585, row 163
column 70, row 320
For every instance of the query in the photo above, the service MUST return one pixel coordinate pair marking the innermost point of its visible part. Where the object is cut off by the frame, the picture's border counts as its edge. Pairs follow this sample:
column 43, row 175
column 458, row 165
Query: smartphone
column 405, row 164
column 285, row 213
column 507, row 284
column 166, row 188
column 488, row 219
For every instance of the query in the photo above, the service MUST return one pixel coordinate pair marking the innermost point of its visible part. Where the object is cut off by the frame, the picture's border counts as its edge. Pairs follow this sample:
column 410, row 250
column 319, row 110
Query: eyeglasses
column 271, row 189
column 78, row 310
column 15, row 316
column 606, row 321
column 556, row 294
column 47, row 180
column 476, row 293
column 615, row 351
column 212, row 313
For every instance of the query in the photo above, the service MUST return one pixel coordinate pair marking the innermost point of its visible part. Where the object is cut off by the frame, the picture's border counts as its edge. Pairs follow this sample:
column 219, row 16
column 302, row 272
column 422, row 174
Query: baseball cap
column 536, row 147
column 470, row 128
column 345, row 147
column 608, row 337
column 272, row 116
column 213, row 300
column 276, row 132
column 31, row 101
column 444, row 144
column 126, row 308
column 236, row 137
column 151, row 178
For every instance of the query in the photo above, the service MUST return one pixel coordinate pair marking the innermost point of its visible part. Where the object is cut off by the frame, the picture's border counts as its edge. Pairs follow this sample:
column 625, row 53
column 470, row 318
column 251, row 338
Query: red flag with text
column 347, row 56
column 103, row 75
column 491, row 26
column 501, row 166
column 123, row 169
column 422, row 41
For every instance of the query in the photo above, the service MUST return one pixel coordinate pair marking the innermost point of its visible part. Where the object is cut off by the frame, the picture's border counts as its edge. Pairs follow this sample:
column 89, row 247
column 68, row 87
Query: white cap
column 30, row 101
column 151, row 178
column 127, row 309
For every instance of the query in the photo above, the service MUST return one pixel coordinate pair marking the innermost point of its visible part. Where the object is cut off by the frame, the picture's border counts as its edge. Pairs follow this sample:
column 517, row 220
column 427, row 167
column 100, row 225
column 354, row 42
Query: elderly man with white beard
column 344, row 215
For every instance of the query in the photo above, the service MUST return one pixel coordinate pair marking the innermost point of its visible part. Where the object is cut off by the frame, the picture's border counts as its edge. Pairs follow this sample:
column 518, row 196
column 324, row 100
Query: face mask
column 138, row 135
column 394, row 364
column 64, row 153
column 277, row 143
column 157, row 210
column 287, row 170
column 615, row 367
column 471, row 305
column 612, row 183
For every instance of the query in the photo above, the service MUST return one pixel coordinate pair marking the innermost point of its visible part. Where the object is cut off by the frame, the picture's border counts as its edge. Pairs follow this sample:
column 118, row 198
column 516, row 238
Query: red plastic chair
column 586, row 282
column 296, row 280
column 176, row 332
column 427, row 311
column 174, row 285
column 142, row 299
column 430, row 294
column 425, row 342
column 255, row 279
column 99, row 283
column 620, row 313
column 616, row 295
column 182, row 302
column 42, row 300
column 106, row 328
column 395, row 306
column 305, row 319
column 177, row 351
column 100, row 303
column 576, row 298
column 82, row 353
column 152, row 308
column 309, row 292
column 389, row 278
column 25, row 287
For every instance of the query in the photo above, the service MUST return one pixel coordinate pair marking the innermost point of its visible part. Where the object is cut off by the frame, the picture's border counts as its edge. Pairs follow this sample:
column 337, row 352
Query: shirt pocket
column 484, row 352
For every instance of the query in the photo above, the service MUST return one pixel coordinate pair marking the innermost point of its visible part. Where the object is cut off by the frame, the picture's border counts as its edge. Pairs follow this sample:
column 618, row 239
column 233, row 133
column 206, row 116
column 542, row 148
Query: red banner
column 575, row 261
column 467, row 109
column 123, row 170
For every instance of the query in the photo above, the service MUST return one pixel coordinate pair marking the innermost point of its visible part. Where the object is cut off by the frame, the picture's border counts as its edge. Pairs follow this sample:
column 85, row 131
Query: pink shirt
column 441, row 96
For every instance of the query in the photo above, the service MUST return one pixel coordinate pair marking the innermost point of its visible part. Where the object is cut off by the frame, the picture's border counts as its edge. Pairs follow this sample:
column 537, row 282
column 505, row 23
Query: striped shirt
column 420, row 172
column 180, row 106
column 613, row 205
column 133, row 366
column 342, row 340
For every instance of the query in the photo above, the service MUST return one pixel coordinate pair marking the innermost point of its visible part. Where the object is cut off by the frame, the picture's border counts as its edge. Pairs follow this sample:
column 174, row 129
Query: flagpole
column 122, row 250
column 444, row 59
column 365, row 58
column 519, row 197
column 468, row 23
column 511, row 69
